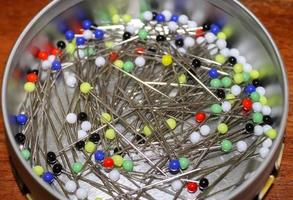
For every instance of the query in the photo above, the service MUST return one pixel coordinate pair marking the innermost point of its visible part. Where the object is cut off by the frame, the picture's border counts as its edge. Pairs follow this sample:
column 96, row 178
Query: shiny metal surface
column 250, row 37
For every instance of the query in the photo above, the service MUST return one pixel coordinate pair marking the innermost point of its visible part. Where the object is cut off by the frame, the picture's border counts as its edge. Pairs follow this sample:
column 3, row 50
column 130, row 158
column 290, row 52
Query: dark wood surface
column 277, row 16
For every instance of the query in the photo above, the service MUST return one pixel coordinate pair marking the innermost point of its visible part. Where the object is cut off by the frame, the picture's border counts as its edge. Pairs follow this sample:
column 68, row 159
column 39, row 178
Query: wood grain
column 276, row 15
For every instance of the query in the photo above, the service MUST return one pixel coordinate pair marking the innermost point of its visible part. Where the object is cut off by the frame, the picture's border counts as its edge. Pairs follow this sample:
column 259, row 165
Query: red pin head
column 113, row 56
column 247, row 104
column 32, row 77
column 42, row 55
column 139, row 50
column 108, row 163
column 192, row 187
column 200, row 117
column 199, row 33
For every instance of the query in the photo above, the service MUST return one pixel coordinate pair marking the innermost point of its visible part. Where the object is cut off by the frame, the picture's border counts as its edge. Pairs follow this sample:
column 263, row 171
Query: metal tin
column 250, row 37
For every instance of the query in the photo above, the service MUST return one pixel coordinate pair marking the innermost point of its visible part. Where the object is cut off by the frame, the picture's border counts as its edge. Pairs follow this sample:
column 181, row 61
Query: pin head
column 174, row 18
column 257, row 117
column 85, row 87
column 174, row 165
column 192, row 187
column 80, row 145
column 32, row 77
column 77, row 167
column 69, row 35
column 226, row 145
column 51, row 157
column 203, row 183
column 196, row 63
column 155, row 14
column 216, row 108
column 232, row 60
column 250, row 88
column 126, row 35
column 26, row 154
column 99, row 155
column 256, row 83
column 167, row 60
column 29, row 87
column 118, row 160
column 247, row 104
column 90, row 147
column 99, row 34
column 113, row 56
column 200, row 117
column 213, row 73
column 48, row 177
column 80, row 41
column 128, row 66
column 267, row 120
column 70, row 186
column 61, row 45
column 43, row 55
column 82, row 116
column 56, row 65
column 38, row 170
column 86, row 24
column 108, row 163
column 147, row 130
column 110, row 134
column 160, row 18
column 95, row 138
column 20, row 138
column 143, row 34
column 222, row 128
column 127, row 165
column 171, row 123
column 57, row 169
column 179, row 42
column 206, row 27
column 106, row 117
column 271, row 133
column 161, row 38
column 184, row 163
column 215, row 29
column 220, row 93
column 249, row 127
column 21, row 119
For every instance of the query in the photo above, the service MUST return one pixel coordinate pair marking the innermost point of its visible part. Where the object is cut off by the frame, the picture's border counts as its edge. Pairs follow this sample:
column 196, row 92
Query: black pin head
column 20, row 138
column 80, row 145
column 82, row 116
column 155, row 14
column 51, row 157
column 126, row 35
column 249, row 128
column 95, row 138
column 206, row 27
column 256, row 83
column 232, row 60
column 161, row 38
column 179, row 42
column 61, row 45
column 268, row 120
column 196, row 63
column 57, row 169
column 203, row 183
column 221, row 93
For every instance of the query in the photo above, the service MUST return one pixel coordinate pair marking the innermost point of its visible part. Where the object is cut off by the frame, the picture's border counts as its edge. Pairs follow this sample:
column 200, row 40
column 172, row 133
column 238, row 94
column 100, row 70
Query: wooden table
column 276, row 15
